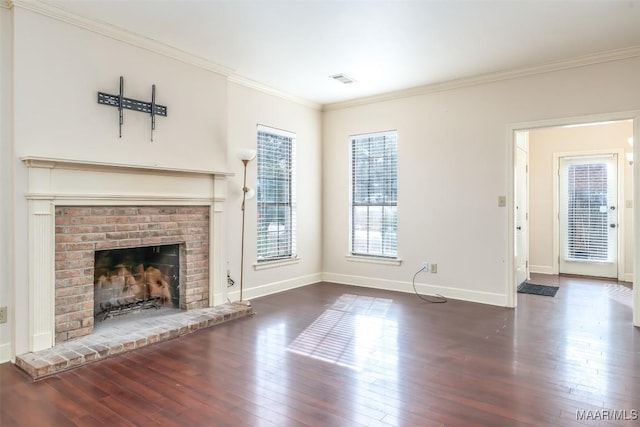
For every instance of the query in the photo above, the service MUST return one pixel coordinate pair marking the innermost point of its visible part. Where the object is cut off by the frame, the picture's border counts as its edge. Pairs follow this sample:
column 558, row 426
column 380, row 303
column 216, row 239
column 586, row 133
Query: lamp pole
column 246, row 155
column 244, row 199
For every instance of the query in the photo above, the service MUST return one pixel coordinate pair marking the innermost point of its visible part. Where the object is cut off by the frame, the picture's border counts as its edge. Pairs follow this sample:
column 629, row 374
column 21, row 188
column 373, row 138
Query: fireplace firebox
column 133, row 279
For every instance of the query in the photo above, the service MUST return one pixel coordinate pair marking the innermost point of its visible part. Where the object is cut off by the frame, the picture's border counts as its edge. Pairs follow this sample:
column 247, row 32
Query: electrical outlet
column 434, row 268
column 425, row 266
column 3, row 314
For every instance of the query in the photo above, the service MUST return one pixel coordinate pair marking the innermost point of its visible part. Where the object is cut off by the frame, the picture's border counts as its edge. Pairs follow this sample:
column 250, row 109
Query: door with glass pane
column 589, row 215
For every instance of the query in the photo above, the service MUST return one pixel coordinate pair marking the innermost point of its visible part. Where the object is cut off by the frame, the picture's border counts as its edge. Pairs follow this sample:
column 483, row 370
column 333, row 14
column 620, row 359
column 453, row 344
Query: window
column 374, row 195
column 276, row 194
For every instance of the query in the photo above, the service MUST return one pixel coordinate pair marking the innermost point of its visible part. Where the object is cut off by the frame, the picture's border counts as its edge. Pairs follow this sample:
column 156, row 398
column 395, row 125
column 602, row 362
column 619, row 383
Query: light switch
column 502, row 201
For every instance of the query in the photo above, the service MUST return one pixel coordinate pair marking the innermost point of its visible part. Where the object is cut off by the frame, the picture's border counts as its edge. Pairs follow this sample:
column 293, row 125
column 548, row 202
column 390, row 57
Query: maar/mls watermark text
column 607, row 415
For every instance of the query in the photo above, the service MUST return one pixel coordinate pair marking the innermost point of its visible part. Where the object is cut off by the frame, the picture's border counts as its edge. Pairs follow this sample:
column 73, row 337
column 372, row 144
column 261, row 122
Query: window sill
column 276, row 263
column 374, row 260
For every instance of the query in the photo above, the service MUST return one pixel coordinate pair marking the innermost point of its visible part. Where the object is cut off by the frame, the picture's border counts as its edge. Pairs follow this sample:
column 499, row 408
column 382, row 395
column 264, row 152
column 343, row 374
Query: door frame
column 510, row 285
column 620, row 203
column 524, row 235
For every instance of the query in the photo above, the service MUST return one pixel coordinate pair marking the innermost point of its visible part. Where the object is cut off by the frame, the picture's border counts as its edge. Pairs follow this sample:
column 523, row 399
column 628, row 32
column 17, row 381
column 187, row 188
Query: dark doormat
column 545, row 290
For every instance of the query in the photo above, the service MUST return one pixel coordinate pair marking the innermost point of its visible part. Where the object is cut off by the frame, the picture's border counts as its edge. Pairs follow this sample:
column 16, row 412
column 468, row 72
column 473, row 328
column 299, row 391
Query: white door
column 589, row 215
column 521, row 215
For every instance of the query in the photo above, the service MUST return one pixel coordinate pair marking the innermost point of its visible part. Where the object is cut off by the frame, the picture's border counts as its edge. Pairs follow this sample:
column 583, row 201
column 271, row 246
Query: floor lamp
column 246, row 155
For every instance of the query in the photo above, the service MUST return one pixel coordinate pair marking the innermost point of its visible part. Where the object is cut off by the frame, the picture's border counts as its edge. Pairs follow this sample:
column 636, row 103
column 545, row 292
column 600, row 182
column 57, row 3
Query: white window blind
column 591, row 188
column 374, row 194
column 276, row 194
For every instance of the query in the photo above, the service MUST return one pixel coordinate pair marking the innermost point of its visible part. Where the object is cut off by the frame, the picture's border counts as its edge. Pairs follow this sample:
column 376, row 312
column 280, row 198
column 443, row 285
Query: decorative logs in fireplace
column 132, row 279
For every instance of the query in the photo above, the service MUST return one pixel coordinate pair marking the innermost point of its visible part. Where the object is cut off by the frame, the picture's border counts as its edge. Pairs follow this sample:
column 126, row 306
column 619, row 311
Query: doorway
column 623, row 218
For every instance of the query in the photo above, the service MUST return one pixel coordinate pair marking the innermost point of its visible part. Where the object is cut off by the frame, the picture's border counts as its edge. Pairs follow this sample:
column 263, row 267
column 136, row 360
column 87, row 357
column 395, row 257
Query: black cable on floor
column 438, row 299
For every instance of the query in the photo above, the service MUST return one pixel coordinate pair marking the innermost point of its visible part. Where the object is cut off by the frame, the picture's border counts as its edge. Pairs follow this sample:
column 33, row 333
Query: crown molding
column 155, row 46
column 581, row 61
column 119, row 34
column 125, row 36
column 243, row 81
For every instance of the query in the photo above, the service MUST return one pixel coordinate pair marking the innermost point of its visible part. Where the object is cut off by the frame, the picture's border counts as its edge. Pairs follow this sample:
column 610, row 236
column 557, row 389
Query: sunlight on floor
column 620, row 293
column 352, row 332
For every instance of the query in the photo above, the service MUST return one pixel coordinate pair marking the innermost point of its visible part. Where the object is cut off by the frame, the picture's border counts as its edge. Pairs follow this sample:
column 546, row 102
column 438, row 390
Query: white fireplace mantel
column 64, row 182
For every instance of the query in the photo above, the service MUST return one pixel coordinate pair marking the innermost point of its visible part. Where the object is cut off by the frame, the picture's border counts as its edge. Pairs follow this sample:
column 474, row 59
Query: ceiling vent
column 342, row 78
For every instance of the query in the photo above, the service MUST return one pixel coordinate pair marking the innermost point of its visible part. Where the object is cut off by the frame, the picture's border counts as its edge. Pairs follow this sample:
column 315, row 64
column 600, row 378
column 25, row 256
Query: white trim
column 511, row 288
column 574, row 120
column 374, row 260
column 608, row 56
column 78, row 164
column 384, row 133
column 275, row 287
column 100, row 199
column 423, row 288
column 636, row 218
column 275, row 131
column 251, row 84
column 541, row 269
column 276, row 263
column 119, row 34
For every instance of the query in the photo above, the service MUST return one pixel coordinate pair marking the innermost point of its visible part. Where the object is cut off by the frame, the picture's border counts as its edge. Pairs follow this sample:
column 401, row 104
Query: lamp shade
column 250, row 194
column 246, row 153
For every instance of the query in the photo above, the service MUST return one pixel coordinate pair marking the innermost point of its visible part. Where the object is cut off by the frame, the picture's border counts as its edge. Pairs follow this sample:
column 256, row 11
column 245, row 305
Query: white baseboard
column 5, row 352
column 423, row 288
column 541, row 269
column 272, row 288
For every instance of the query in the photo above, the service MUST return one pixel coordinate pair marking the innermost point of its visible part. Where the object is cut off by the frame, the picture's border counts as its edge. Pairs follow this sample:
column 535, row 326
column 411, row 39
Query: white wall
column 247, row 109
column 6, row 179
column 453, row 149
column 59, row 69
column 543, row 143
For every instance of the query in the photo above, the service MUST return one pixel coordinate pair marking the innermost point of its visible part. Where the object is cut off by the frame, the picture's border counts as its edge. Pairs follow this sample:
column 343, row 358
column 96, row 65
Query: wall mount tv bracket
column 121, row 103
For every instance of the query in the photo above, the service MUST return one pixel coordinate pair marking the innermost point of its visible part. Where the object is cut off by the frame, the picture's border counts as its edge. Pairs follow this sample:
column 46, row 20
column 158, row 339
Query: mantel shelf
column 52, row 163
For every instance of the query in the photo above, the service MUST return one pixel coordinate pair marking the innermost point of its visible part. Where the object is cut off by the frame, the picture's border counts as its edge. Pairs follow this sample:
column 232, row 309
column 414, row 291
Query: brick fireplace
column 81, row 231
column 77, row 208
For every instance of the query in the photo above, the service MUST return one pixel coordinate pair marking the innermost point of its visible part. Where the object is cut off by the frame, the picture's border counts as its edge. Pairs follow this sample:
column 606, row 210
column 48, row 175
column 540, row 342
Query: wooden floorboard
column 335, row 355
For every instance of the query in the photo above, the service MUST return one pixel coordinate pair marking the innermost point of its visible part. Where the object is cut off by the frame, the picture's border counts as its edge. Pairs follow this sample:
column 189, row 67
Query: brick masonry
column 80, row 231
column 122, row 337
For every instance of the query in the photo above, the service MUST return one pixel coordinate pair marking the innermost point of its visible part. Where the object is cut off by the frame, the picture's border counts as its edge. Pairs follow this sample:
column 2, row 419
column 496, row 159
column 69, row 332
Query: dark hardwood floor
column 333, row 355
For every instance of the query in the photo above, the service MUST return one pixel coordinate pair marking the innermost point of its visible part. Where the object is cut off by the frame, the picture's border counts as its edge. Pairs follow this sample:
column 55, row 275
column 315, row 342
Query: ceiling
column 293, row 46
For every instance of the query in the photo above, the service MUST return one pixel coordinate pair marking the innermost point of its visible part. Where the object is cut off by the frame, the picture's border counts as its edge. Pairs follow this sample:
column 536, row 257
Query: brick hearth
column 122, row 336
